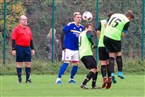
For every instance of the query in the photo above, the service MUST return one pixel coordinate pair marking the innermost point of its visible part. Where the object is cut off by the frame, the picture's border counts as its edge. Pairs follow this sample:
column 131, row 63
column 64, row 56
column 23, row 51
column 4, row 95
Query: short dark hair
column 129, row 13
column 110, row 14
column 87, row 25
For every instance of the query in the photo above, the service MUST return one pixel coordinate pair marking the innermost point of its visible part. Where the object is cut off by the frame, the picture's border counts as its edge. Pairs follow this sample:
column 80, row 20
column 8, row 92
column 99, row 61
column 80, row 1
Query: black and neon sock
column 103, row 70
column 111, row 64
column 94, row 79
column 88, row 77
column 119, row 63
column 108, row 71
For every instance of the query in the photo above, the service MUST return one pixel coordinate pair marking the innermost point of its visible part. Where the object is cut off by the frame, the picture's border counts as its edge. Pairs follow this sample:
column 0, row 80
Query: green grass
column 43, row 86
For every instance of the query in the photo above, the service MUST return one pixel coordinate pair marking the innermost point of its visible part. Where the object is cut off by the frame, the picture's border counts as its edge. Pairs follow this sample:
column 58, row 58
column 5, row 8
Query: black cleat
column 114, row 80
column 96, row 87
column 28, row 81
column 84, row 87
column 20, row 80
column 121, row 76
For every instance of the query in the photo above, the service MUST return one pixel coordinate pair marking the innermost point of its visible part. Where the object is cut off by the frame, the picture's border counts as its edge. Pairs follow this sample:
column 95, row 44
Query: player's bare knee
column 94, row 70
column 66, row 61
column 28, row 64
column 19, row 64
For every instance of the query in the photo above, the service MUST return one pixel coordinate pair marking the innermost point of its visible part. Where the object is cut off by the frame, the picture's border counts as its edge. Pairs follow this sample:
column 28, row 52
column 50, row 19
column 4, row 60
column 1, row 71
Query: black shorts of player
column 103, row 54
column 89, row 62
column 112, row 45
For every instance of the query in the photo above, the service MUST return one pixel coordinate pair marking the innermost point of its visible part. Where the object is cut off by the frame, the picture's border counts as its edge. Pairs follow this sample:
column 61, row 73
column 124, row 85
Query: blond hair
column 49, row 35
column 76, row 13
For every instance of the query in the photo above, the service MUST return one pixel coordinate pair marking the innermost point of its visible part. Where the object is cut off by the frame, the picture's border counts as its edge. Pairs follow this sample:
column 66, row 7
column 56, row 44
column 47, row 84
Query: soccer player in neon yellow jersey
column 103, row 54
column 86, row 55
column 115, row 29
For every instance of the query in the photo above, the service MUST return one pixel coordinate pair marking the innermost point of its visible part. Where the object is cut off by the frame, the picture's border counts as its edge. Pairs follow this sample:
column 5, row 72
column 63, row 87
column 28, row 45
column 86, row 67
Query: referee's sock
column 73, row 71
column 19, row 73
column 28, row 71
column 62, row 69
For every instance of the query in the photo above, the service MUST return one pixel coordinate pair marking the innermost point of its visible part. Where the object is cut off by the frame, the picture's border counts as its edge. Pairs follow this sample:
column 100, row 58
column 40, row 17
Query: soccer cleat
column 104, row 82
column 109, row 83
column 28, row 81
column 72, row 81
column 58, row 82
column 114, row 80
column 20, row 80
column 120, row 74
column 84, row 87
column 96, row 87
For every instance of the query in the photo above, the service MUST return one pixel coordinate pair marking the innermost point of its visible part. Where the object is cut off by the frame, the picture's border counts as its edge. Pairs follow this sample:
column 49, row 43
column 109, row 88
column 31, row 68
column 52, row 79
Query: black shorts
column 112, row 45
column 89, row 62
column 23, row 54
column 103, row 54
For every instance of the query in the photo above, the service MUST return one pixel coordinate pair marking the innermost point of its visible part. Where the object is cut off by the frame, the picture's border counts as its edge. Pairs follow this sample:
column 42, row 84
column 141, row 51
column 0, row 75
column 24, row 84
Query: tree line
column 39, row 14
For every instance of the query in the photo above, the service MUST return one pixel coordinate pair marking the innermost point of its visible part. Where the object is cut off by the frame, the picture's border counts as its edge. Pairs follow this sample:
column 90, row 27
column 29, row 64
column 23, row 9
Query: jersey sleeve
column 14, row 34
column 125, row 29
column 31, row 37
column 89, row 36
column 66, row 28
column 62, row 40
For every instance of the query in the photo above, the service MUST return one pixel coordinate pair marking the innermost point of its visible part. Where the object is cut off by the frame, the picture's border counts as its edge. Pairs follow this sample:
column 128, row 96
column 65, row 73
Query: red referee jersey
column 21, row 35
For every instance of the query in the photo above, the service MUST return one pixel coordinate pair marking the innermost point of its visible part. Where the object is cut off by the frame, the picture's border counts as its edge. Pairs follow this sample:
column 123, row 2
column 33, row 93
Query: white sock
column 58, row 79
column 71, row 79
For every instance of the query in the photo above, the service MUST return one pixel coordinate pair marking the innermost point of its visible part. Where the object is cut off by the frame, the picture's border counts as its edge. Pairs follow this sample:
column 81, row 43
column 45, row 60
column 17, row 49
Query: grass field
column 43, row 86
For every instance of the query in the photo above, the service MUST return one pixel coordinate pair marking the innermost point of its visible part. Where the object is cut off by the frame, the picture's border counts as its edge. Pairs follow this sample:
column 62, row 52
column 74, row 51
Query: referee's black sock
column 119, row 63
column 28, row 71
column 19, row 73
column 88, row 77
column 103, row 70
column 111, row 64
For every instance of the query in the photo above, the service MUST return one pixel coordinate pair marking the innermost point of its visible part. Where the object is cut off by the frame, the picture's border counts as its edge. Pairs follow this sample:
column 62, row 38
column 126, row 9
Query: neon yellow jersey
column 84, row 45
column 115, row 26
column 101, row 44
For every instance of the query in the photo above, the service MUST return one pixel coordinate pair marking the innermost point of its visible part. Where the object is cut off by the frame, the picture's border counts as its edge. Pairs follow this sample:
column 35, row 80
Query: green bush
column 134, row 66
column 46, row 67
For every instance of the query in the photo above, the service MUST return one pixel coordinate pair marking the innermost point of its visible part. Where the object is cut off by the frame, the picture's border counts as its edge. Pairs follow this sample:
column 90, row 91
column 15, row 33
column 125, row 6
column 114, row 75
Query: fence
column 43, row 16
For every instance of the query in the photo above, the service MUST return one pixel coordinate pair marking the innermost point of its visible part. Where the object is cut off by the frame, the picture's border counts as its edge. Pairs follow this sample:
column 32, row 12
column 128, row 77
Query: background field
column 43, row 86
column 39, row 13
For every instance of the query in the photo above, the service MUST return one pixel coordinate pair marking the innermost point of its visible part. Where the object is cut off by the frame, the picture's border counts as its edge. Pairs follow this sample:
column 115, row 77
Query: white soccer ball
column 87, row 16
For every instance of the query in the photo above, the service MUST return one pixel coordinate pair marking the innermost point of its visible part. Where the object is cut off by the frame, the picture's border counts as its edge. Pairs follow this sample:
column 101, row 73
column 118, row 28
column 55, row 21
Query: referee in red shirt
column 22, row 47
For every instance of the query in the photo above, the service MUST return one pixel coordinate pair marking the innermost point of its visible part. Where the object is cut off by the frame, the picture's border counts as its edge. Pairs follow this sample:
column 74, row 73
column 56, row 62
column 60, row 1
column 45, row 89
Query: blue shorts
column 23, row 54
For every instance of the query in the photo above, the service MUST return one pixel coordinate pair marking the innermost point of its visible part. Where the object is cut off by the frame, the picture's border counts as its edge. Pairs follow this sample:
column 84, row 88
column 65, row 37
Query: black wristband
column 13, row 49
column 13, row 45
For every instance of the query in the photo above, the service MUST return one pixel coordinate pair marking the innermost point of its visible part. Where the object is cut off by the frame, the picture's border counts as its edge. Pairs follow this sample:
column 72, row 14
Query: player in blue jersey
column 69, row 42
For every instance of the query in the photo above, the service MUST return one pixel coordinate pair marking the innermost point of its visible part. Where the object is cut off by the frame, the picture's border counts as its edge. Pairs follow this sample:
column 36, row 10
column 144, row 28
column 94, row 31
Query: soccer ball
column 87, row 16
